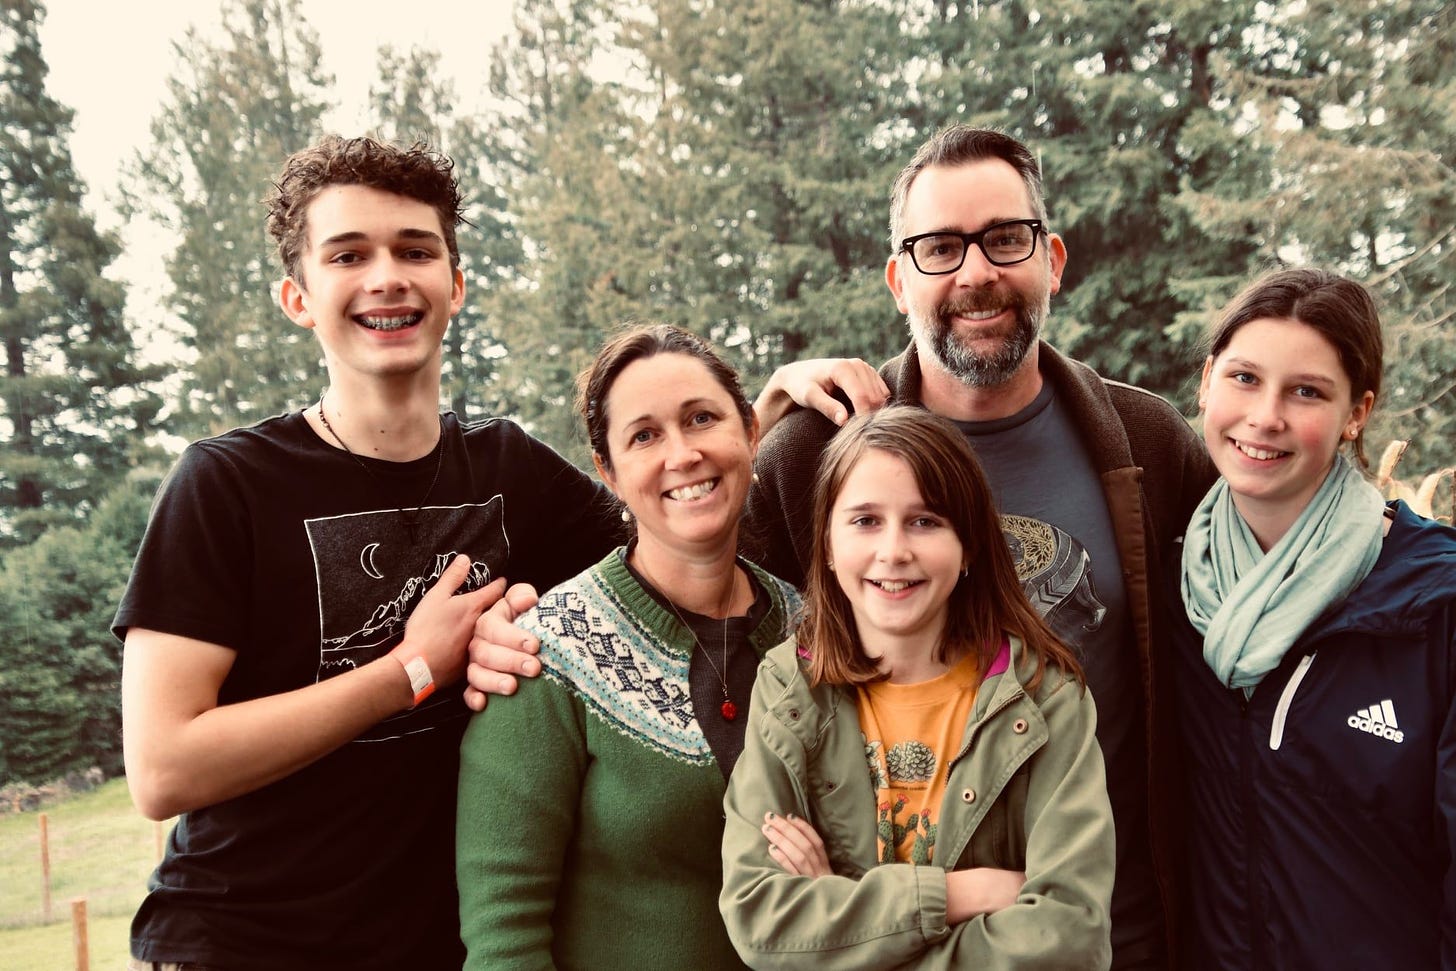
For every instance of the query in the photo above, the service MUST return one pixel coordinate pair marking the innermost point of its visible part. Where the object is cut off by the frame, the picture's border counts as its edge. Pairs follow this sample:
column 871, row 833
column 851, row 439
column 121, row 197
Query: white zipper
column 1281, row 711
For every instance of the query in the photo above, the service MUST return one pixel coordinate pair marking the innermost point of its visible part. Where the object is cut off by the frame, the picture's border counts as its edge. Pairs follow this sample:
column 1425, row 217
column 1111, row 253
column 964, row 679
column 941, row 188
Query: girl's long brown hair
column 983, row 606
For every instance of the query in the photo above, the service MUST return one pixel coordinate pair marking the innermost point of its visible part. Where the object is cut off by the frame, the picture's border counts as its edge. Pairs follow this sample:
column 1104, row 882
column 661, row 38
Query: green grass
column 101, row 849
column 49, row 947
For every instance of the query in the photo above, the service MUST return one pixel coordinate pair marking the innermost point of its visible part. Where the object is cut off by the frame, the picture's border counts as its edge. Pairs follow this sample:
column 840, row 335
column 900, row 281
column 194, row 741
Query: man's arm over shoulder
column 819, row 384
column 778, row 534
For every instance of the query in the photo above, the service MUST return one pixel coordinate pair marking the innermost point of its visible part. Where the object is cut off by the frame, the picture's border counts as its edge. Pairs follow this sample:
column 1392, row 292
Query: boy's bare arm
column 183, row 750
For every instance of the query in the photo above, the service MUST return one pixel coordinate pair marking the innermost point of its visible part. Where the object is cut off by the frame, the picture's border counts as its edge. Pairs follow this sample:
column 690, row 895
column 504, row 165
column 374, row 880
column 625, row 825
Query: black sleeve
column 573, row 520
column 191, row 571
column 778, row 532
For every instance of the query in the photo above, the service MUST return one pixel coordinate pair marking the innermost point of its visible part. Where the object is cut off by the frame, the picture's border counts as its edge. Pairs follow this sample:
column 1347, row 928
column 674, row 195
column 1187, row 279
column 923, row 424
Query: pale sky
column 109, row 62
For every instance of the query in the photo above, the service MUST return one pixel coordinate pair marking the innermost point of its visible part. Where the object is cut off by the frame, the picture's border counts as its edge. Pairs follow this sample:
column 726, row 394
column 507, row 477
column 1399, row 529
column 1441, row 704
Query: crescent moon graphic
column 366, row 560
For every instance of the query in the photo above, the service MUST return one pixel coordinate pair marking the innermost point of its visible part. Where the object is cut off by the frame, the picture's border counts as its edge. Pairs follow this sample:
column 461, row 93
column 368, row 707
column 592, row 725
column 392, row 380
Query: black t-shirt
column 268, row 541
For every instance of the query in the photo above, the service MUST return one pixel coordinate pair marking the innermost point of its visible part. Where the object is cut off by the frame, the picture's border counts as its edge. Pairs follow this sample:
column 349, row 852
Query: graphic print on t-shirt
column 1056, row 573
column 370, row 577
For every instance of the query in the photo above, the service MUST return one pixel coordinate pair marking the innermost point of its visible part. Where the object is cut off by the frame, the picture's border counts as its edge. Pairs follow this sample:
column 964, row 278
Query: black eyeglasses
column 1004, row 244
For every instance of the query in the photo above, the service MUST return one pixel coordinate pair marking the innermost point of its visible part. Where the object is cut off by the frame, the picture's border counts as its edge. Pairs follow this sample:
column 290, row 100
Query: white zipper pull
column 1281, row 711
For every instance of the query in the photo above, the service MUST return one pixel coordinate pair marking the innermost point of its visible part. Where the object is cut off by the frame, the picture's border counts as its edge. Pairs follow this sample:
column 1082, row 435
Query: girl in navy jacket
column 1315, row 672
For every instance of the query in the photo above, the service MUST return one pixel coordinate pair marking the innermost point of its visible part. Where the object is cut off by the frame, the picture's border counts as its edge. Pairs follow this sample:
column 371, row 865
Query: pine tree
column 60, row 665
column 1351, row 110
column 410, row 105
column 235, row 110
column 769, row 157
column 559, row 159
column 76, row 405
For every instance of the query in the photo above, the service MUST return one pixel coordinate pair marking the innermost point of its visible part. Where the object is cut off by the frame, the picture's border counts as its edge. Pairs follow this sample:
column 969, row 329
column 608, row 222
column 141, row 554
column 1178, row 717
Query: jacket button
column 794, row 714
column 968, row 796
column 1019, row 727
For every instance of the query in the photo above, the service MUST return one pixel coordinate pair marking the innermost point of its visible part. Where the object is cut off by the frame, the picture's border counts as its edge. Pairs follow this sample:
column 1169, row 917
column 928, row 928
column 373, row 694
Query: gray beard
column 935, row 337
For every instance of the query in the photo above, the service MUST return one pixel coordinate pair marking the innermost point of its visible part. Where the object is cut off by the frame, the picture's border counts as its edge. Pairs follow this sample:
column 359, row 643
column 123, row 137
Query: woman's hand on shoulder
column 795, row 846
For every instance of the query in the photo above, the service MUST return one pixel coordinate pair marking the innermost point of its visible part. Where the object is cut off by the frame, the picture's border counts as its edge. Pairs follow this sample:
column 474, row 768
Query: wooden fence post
column 78, row 934
column 45, row 868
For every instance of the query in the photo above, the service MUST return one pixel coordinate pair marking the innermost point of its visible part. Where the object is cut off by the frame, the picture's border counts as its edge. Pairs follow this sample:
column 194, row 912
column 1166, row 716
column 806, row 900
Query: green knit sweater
column 591, row 807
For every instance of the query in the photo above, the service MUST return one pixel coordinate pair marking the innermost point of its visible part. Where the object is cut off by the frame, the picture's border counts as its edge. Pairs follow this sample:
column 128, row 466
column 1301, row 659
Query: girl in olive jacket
column 921, row 783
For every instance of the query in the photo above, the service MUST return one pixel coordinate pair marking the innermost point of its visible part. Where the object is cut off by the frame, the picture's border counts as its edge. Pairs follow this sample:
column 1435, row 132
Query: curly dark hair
column 417, row 172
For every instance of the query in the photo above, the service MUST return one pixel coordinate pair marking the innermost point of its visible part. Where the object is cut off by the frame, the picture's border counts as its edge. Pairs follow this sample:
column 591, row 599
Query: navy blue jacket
column 1322, row 810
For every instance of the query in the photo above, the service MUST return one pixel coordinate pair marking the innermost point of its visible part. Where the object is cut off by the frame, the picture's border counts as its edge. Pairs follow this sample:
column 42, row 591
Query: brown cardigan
column 1154, row 471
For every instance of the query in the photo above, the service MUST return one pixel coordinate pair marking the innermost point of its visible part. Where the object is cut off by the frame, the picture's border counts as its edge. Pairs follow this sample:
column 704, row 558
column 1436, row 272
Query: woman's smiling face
column 680, row 456
column 1277, row 404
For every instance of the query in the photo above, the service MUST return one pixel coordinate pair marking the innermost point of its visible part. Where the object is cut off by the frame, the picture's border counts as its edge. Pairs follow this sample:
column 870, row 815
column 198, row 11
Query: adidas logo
column 1378, row 720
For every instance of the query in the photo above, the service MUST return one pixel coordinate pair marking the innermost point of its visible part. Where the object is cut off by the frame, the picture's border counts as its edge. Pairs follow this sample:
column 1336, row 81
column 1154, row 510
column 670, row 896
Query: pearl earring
column 626, row 515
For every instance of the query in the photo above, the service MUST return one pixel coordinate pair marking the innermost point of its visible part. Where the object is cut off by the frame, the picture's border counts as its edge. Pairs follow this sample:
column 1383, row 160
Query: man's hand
column 810, row 384
column 499, row 650
column 440, row 627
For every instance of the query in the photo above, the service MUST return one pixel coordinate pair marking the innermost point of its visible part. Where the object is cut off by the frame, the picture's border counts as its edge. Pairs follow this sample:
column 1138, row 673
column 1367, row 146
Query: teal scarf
column 1250, row 606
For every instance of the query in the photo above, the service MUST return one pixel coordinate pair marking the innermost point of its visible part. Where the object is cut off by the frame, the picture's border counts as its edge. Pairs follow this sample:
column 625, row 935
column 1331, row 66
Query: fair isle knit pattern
column 600, row 652
column 607, row 642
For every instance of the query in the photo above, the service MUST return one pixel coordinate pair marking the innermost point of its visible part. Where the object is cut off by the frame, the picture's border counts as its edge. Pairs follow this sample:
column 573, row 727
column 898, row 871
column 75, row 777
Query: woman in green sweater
column 590, row 813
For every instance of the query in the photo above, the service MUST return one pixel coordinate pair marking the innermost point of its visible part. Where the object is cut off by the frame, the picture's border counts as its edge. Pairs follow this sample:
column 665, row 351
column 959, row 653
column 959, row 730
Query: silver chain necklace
column 410, row 517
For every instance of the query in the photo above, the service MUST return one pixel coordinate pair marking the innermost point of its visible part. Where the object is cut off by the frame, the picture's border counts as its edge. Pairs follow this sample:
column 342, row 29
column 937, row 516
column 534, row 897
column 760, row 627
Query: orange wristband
column 422, row 682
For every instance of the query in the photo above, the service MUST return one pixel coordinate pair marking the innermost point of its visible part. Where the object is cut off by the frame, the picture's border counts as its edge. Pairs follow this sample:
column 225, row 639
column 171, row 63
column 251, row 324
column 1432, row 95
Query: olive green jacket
column 1026, row 792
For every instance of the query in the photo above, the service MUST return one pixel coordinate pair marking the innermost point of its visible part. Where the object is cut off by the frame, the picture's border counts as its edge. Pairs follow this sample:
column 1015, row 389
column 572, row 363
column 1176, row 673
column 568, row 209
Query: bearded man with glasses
column 1094, row 478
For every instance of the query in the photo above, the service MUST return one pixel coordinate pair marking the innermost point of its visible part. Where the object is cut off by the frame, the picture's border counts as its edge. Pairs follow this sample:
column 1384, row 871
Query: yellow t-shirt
column 911, row 734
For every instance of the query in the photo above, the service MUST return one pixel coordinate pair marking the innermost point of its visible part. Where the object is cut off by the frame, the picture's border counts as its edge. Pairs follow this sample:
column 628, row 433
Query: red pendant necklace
column 727, row 709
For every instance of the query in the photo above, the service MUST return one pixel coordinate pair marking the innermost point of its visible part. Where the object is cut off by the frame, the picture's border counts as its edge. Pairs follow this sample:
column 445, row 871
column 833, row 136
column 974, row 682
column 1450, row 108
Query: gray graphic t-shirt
column 1054, row 516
